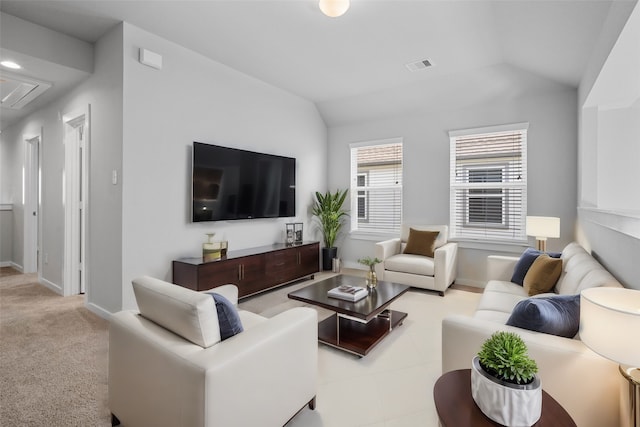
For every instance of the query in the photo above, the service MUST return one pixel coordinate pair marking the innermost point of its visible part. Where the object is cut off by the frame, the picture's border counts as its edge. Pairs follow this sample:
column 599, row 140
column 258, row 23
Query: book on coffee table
column 348, row 293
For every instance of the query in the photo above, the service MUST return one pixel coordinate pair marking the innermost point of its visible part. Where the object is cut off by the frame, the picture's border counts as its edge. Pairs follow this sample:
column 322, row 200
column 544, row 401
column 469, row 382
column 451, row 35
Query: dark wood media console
column 253, row 270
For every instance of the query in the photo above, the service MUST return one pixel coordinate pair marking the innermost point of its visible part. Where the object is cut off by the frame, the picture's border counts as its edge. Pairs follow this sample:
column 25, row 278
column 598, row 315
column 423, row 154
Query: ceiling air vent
column 17, row 91
column 418, row 65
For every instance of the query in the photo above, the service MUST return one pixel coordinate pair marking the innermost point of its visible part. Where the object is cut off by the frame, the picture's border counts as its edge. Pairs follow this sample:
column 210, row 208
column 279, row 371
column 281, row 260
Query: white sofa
column 584, row 383
column 435, row 274
column 261, row 376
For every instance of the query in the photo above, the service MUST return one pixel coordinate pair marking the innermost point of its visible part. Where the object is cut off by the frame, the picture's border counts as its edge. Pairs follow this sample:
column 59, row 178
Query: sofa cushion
column 228, row 318
column 500, row 297
column 556, row 315
column 189, row 314
column 408, row 263
column 525, row 261
column 421, row 242
column 543, row 275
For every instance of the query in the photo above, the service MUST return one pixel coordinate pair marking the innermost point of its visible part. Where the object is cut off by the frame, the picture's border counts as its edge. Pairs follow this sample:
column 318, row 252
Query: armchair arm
column 584, row 383
column 445, row 265
column 384, row 250
column 500, row 267
column 273, row 366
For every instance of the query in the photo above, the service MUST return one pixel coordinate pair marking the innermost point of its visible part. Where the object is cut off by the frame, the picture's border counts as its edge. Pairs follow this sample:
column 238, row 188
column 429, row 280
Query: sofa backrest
column 189, row 314
column 581, row 271
column 440, row 240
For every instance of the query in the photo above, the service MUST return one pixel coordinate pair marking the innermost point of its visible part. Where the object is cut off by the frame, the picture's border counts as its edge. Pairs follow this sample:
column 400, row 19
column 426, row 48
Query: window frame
column 369, row 189
column 513, row 189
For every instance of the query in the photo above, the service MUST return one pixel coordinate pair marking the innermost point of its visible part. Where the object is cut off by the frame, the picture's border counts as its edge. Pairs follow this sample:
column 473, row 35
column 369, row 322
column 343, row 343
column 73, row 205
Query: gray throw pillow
column 556, row 315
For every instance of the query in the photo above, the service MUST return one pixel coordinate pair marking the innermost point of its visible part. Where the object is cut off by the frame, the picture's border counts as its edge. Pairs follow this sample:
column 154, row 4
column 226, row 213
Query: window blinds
column 376, row 186
column 488, row 185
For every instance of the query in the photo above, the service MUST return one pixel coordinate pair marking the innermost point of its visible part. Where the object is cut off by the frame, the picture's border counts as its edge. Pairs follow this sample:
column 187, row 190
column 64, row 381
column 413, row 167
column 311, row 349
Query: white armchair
column 159, row 376
column 435, row 274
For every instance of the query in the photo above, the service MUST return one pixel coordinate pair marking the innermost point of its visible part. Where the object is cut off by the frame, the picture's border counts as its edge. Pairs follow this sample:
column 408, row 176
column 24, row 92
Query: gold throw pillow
column 543, row 275
column 421, row 242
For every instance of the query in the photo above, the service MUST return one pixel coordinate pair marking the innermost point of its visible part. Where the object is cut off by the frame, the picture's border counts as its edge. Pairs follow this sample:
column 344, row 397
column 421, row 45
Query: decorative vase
column 372, row 278
column 328, row 254
column 211, row 250
column 503, row 402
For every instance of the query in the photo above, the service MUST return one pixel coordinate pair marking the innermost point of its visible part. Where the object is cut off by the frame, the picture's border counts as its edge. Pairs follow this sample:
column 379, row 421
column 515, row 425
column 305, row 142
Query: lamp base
column 541, row 244
column 632, row 375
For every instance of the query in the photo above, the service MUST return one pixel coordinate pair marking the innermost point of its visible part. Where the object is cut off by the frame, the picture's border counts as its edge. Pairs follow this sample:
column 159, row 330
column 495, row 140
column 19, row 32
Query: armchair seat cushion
column 410, row 263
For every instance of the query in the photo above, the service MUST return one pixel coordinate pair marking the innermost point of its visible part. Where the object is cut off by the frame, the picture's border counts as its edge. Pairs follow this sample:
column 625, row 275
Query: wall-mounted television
column 228, row 184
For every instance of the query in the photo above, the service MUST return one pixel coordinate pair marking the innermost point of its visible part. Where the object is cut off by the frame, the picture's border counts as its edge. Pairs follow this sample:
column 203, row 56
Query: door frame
column 31, row 187
column 76, row 179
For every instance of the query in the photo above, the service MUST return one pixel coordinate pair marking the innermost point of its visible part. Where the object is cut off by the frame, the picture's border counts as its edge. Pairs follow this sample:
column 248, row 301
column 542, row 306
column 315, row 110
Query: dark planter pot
column 328, row 254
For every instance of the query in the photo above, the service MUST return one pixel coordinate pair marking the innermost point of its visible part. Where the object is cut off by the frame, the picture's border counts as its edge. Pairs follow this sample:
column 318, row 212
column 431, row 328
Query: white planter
column 505, row 403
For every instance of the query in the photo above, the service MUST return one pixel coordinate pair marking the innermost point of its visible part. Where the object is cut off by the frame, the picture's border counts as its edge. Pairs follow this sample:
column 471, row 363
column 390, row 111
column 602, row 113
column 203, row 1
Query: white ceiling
column 353, row 67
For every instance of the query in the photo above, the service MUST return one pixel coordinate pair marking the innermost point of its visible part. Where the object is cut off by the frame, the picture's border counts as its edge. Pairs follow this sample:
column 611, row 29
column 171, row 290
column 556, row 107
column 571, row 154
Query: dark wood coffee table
column 358, row 326
column 456, row 407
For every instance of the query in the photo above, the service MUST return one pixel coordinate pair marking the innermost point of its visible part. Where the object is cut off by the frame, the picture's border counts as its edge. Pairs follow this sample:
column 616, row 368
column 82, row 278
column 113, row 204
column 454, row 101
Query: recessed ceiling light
column 10, row 64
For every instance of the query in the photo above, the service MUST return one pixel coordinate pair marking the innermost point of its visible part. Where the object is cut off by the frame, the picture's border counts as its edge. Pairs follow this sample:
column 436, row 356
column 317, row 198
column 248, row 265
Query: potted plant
column 327, row 208
column 372, row 278
column 504, row 383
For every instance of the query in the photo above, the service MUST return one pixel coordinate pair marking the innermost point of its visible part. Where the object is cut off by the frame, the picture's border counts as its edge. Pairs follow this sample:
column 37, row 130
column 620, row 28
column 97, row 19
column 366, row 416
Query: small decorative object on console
column 348, row 293
column 298, row 232
column 290, row 233
column 212, row 251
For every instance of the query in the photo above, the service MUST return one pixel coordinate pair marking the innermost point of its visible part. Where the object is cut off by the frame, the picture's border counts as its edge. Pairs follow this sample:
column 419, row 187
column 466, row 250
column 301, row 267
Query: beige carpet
column 53, row 357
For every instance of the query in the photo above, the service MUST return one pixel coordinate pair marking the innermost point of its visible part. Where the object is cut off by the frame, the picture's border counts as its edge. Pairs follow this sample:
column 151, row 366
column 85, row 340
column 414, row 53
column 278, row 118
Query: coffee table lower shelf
column 356, row 337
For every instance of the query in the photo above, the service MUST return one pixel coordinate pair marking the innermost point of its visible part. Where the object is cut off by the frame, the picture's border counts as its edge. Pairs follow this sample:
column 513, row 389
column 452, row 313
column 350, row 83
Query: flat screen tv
column 228, row 184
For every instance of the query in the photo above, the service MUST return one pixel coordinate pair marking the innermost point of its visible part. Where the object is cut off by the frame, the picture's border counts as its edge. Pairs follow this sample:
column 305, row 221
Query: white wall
column 103, row 91
column 552, row 150
column 609, row 108
column 193, row 98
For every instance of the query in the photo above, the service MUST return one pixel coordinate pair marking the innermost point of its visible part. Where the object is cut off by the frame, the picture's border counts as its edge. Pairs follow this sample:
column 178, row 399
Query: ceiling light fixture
column 10, row 64
column 334, row 8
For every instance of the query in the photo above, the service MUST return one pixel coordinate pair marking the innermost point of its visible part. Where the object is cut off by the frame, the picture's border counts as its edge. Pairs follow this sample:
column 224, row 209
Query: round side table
column 456, row 407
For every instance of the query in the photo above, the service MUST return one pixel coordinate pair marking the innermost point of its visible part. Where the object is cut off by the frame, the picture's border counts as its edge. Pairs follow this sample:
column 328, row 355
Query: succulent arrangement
column 505, row 357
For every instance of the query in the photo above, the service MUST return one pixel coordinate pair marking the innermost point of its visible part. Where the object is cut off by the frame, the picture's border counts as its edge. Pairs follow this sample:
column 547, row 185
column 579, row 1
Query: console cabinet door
column 219, row 273
column 251, row 275
column 281, row 266
column 308, row 259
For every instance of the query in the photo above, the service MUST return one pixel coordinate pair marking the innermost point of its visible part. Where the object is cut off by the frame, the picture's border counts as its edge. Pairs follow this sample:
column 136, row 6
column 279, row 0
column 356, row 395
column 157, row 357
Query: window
column 376, row 186
column 488, row 183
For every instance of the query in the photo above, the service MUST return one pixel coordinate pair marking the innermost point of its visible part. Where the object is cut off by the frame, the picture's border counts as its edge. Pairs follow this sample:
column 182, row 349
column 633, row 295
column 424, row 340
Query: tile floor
column 393, row 385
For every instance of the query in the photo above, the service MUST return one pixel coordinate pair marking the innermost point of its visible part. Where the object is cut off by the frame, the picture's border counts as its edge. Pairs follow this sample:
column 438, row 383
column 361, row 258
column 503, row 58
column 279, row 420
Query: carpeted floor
column 53, row 357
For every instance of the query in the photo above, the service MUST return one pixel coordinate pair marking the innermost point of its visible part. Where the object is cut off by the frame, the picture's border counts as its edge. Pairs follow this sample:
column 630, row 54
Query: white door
column 76, row 173
column 31, row 183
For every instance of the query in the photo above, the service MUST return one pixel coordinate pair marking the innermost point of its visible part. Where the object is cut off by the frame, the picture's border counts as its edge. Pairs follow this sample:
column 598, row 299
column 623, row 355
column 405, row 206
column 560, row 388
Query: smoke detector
column 418, row 65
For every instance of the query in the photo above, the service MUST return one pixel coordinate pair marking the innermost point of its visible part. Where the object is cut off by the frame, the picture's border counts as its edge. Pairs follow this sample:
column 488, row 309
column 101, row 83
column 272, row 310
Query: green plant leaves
column 504, row 356
column 328, row 210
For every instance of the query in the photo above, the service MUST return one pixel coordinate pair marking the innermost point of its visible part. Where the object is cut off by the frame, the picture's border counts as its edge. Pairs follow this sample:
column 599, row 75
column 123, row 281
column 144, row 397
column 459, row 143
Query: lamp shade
column 334, row 8
column 610, row 323
column 543, row 226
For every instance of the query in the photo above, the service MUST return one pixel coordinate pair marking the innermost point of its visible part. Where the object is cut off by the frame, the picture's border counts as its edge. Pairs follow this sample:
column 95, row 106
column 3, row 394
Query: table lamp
column 542, row 227
column 610, row 326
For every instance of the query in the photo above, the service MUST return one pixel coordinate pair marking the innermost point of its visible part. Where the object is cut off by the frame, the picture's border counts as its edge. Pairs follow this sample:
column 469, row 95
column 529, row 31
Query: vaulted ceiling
column 353, row 67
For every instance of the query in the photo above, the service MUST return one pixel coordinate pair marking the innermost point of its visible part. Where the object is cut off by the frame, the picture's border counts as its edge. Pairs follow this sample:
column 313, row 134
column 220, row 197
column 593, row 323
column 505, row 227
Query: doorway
column 31, row 202
column 76, row 140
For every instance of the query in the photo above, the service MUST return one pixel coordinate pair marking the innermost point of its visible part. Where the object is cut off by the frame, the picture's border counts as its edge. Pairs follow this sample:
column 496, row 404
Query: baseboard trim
column 97, row 310
column 5, row 263
column 55, row 288
column 470, row 282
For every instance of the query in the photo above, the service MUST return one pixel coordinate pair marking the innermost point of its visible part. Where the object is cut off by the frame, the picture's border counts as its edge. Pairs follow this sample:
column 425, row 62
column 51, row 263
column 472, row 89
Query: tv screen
column 229, row 183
